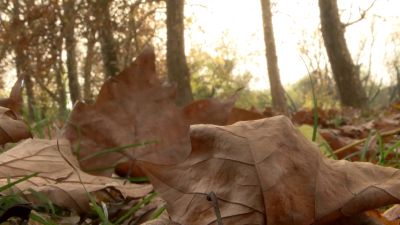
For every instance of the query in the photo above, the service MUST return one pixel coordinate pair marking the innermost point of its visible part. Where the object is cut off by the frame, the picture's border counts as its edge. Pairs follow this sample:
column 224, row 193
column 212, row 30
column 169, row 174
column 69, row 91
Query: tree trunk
column 30, row 96
column 70, row 45
column 108, row 45
column 397, row 68
column 61, row 92
column 56, row 54
column 178, row 71
column 22, row 67
column 346, row 74
column 87, row 70
column 21, row 59
column 277, row 91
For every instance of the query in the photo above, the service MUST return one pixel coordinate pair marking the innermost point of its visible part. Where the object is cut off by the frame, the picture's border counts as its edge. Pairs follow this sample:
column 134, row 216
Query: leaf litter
column 262, row 171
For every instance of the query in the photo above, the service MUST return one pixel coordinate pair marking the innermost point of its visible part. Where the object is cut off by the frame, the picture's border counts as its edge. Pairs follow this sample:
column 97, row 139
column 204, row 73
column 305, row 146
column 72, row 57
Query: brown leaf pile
column 262, row 171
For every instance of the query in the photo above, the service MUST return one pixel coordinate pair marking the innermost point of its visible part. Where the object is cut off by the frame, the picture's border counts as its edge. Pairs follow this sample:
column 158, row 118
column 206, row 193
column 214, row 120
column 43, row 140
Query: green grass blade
column 363, row 153
column 315, row 103
column 135, row 208
column 116, row 149
column 37, row 218
column 157, row 213
column 11, row 184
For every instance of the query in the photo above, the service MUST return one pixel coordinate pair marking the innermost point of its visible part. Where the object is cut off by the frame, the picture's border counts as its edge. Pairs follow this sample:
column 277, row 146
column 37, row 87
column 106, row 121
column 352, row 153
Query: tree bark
column 61, row 91
column 346, row 74
column 22, row 65
column 70, row 45
column 397, row 68
column 277, row 91
column 87, row 70
column 178, row 71
column 107, row 42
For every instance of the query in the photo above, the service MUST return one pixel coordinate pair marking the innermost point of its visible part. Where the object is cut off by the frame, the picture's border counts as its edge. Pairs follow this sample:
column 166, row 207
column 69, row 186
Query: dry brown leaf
column 306, row 116
column 14, row 102
column 210, row 111
column 131, row 107
column 393, row 213
column 371, row 217
column 266, row 172
column 204, row 111
column 12, row 129
column 238, row 114
column 163, row 221
column 58, row 175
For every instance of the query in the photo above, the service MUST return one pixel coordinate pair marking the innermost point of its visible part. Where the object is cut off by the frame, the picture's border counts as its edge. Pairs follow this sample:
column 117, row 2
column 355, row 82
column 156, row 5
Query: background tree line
column 65, row 49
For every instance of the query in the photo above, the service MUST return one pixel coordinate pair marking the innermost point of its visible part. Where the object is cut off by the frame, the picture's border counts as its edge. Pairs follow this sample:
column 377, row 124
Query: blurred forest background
column 65, row 49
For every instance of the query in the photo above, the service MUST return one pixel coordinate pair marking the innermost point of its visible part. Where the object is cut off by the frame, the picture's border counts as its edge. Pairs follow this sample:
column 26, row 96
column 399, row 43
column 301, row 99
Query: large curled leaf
column 266, row 172
column 59, row 177
column 131, row 107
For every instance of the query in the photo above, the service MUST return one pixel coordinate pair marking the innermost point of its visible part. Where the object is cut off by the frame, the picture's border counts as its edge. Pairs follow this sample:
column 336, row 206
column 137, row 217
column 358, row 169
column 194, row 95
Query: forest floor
column 134, row 157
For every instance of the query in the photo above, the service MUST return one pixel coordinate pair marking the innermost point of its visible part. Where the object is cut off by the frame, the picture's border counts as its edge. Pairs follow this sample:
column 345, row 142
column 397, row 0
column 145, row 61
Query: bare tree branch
column 363, row 14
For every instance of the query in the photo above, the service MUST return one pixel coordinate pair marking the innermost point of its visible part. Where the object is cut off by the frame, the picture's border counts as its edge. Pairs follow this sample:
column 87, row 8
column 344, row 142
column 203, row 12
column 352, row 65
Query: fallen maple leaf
column 131, row 107
column 59, row 177
column 266, row 172
column 11, row 128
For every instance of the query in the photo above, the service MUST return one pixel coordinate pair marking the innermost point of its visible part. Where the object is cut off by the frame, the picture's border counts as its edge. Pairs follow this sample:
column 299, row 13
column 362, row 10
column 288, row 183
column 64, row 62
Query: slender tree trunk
column 61, row 92
column 346, row 74
column 30, row 96
column 397, row 68
column 277, row 91
column 22, row 67
column 21, row 59
column 70, row 45
column 87, row 70
column 107, row 42
column 56, row 54
column 178, row 71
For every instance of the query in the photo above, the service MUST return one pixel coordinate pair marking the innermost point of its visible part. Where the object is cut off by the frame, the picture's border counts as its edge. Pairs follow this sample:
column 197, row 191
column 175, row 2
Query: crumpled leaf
column 11, row 128
column 266, row 172
column 131, row 107
column 210, row 111
column 14, row 101
column 239, row 114
column 59, row 177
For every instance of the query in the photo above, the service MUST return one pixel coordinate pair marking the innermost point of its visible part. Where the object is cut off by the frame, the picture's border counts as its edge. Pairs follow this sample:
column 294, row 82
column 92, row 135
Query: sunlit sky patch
column 239, row 23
